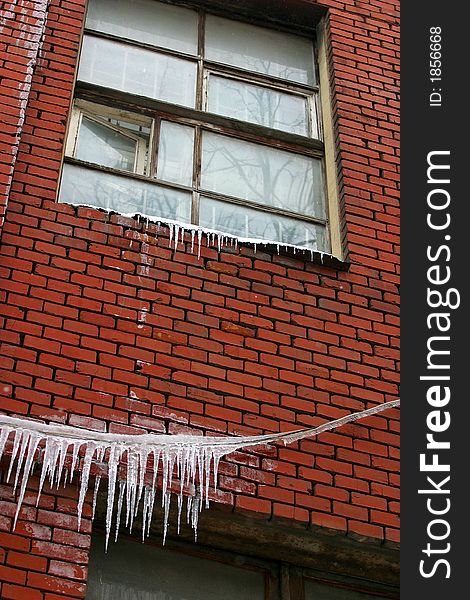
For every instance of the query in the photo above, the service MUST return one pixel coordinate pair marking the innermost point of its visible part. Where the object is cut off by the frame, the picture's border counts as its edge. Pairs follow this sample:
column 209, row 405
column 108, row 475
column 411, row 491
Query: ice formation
column 178, row 229
column 137, row 467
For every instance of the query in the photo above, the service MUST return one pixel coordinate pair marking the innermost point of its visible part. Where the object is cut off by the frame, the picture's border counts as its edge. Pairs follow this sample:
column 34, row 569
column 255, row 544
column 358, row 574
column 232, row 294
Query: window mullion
column 199, row 106
column 74, row 128
column 155, row 147
column 291, row 583
column 196, row 174
column 200, row 63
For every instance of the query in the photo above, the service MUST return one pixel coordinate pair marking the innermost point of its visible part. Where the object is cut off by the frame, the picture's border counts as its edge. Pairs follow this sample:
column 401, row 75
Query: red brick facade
column 237, row 342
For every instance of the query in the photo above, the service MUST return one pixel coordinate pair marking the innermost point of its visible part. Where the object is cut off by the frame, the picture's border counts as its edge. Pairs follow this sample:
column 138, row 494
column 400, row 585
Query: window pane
column 175, row 153
column 262, row 174
column 138, row 71
column 135, row 571
column 257, row 104
column 250, row 223
column 122, row 194
column 260, row 50
column 145, row 21
column 319, row 591
column 104, row 146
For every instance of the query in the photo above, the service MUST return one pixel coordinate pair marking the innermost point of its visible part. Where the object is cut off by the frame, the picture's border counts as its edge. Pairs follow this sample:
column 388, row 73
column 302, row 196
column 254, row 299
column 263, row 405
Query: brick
column 13, row 575
column 56, row 584
column 59, row 551
column 16, row 592
column 27, row 561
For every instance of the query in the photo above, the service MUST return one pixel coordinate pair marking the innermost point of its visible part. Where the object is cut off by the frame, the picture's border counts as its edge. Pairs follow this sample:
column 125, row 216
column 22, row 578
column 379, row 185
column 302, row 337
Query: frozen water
column 177, row 231
column 135, row 464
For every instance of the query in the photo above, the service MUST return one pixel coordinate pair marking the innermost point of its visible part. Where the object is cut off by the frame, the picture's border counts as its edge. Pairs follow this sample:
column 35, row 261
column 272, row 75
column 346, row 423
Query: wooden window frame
column 318, row 114
column 282, row 580
column 98, row 114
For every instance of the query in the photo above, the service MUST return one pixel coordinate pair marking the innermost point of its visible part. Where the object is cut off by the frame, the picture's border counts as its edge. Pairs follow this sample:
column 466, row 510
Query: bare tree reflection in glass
column 258, row 104
column 262, row 174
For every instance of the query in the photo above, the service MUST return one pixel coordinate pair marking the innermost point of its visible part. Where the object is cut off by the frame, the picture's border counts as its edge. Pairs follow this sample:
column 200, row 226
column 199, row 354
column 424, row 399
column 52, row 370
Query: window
column 184, row 115
column 145, row 572
column 183, row 571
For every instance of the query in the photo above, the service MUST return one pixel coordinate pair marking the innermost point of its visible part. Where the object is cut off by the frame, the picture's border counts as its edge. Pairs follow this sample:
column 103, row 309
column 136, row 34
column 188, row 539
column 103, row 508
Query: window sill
column 200, row 237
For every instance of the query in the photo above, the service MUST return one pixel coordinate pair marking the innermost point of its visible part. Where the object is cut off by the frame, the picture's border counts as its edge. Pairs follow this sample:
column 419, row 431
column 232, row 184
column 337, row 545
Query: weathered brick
column 105, row 327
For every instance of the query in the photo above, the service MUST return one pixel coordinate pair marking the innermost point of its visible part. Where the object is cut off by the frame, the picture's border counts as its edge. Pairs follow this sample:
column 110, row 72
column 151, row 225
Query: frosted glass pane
column 138, row 71
column 260, row 50
column 145, row 21
column 122, row 194
column 257, row 104
column 104, row 146
column 250, row 223
column 262, row 174
column 136, row 571
column 175, row 153
column 319, row 591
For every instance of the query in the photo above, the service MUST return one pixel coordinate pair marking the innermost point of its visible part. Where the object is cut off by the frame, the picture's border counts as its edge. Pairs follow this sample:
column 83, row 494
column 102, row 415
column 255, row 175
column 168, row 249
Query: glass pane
column 320, row 591
column 254, row 224
column 260, row 50
column 122, row 194
column 138, row 71
column 104, row 146
column 262, row 174
column 175, row 153
column 257, row 104
column 135, row 571
column 145, row 21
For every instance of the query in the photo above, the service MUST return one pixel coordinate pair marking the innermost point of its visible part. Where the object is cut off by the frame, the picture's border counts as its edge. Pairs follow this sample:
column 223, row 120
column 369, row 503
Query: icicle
column 122, row 488
column 193, row 233
column 84, row 476
column 215, row 469
column 95, row 495
column 32, row 448
column 195, row 508
column 207, row 472
column 76, row 449
column 170, row 227
column 177, row 234
column 180, row 506
column 166, row 508
column 63, row 447
column 3, row 439
column 193, row 459
column 199, row 242
column 143, row 458
column 54, row 460
column 24, row 444
column 16, row 444
column 189, row 502
column 113, row 462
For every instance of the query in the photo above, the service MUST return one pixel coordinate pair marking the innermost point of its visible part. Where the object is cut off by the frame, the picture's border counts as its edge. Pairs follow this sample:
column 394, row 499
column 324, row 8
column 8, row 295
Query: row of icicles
column 165, row 465
column 177, row 231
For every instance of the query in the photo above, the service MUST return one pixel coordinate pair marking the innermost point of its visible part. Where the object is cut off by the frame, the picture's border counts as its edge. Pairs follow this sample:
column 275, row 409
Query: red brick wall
column 21, row 34
column 237, row 342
